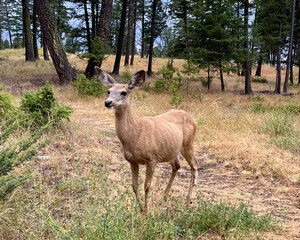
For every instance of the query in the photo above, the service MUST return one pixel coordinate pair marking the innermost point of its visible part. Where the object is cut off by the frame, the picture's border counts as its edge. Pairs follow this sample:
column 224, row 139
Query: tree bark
column 120, row 38
column 34, row 34
column 63, row 68
column 102, row 32
column 93, row 19
column 278, row 64
column 87, row 25
column 45, row 50
column 248, row 89
column 133, row 34
column 126, row 62
column 259, row 65
column 29, row 54
column 288, row 61
column 221, row 75
column 149, row 72
column 143, row 30
column 291, row 71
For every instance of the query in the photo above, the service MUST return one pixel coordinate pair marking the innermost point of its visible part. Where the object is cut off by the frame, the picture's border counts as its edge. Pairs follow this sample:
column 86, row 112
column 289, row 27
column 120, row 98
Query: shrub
column 13, row 154
column 175, row 91
column 88, row 87
column 259, row 80
column 126, row 74
column 42, row 107
column 5, row 102
column 205, row 81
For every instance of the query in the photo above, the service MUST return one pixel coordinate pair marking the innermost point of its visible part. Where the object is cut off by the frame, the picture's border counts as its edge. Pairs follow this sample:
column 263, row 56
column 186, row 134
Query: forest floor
column 240, row 161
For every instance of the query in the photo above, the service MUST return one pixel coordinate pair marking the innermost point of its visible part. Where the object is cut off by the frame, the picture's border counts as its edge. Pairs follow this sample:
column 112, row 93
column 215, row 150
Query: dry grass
column 239, row 160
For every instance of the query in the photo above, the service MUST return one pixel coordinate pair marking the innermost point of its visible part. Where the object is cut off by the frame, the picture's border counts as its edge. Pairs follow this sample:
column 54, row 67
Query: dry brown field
column 240, row 160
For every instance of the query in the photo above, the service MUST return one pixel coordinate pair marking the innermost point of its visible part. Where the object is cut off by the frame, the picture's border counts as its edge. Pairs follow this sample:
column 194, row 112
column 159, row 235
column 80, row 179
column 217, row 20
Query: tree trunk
column 34, row 33
column 8, row 26
column 278, row 64
column 221, row 75
column 126, row 62
column 120, row 38
column 133, row 34
column 87, row 25
column 29, row 54
column 288, row 61
column 143, row 30
column 149, row 72
column 45, row 50
column 291, row 71
column 93, row 19
column 186, row 40
column 259, row 65
column 102, row 32
column 58, row 17
column 208, row 77
column 248, row 89
column 63, row 68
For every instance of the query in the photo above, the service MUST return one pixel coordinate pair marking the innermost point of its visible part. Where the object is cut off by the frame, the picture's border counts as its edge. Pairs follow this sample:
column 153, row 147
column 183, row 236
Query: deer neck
column 124, row 123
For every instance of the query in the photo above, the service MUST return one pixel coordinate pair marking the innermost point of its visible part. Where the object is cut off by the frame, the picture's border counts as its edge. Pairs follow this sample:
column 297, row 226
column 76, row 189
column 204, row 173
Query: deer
column 150, row 140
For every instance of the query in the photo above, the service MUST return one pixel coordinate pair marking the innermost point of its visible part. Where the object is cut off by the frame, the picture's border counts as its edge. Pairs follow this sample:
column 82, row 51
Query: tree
column 149, row 72
column 134, row 33
column 50, row 33
column 129, row 30
column 120, row 38
column 34, row 33
column 248, row 89
column 29, row 54
column 288, row 61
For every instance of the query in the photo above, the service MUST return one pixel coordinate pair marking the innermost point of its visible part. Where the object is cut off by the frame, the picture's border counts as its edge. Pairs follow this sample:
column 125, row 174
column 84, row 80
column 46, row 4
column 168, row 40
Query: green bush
column 15, row 153
column 259, row 80
column 204, row 80
column 42, row 107
column 86, row 87
column 6, row 105
column 175, row 91
column 126, row 74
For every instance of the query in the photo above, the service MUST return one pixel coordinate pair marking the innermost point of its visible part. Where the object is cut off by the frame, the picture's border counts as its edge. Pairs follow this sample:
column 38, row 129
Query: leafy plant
column 205, row 81
column 96, row 53
column 87, row 87
column 127, row 74
column 259, row 80
column 42, row 107
column 175, row 91
column 6, row 105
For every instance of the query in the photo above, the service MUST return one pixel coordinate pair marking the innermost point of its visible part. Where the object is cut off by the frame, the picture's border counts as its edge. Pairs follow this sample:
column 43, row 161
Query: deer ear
column 105, row 78
column 137, row 80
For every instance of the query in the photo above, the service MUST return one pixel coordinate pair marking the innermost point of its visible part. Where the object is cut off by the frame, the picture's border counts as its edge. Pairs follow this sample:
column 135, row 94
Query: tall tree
column 63, row 68
column 120, row 38
column 129, row 28
column 45, row 49
column 149, row 71
column 248, row 89
column 133, row 33
column 29, row 54
column 102, row 33
column 143, row 28
column 288, row 61
column 34, row 33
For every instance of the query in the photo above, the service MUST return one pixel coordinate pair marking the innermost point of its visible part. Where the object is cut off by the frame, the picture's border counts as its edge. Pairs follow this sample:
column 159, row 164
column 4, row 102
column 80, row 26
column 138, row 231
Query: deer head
column 119, row 93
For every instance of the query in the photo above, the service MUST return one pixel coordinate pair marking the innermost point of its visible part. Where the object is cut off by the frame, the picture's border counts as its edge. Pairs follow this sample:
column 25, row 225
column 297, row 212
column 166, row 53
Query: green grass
column 114, row 214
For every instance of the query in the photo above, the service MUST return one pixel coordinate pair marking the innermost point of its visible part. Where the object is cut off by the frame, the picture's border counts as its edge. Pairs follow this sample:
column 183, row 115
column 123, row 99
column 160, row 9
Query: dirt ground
column 217, row 180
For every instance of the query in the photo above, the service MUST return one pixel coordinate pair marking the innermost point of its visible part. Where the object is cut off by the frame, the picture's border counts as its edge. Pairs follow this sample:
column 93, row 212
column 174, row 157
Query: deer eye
column 108, row 92
column 124, row 93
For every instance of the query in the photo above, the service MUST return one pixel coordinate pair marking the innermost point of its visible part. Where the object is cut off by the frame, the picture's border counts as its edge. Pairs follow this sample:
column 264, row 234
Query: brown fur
column 151, row 140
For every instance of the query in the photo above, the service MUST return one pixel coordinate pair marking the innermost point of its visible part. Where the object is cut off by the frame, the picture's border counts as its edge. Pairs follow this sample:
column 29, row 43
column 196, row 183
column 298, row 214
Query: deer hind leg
column 149, row 175
column 189, row 156
column 135, row 178
column 175, row 166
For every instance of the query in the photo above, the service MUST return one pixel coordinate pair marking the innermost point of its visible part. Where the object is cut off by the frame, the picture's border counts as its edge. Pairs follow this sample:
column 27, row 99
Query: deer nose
column 107, row 103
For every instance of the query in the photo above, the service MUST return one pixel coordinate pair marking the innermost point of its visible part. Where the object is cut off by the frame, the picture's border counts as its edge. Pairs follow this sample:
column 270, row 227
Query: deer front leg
column 135, row 180
column 150, row 167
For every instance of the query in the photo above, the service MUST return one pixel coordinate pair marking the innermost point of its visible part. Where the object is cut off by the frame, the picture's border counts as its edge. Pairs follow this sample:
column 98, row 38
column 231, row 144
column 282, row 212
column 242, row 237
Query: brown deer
column 150, row 140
